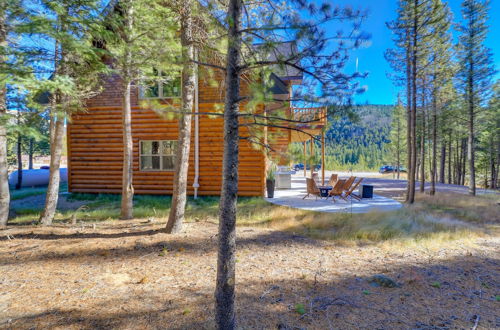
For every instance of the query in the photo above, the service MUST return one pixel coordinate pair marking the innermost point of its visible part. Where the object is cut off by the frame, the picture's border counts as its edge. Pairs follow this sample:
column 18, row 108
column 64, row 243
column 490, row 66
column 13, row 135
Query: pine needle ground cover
column 435, row 265
column 129, row 275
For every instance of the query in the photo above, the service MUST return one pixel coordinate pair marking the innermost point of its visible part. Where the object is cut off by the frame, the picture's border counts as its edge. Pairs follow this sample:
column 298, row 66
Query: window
column 163, row 88
column 157, row 155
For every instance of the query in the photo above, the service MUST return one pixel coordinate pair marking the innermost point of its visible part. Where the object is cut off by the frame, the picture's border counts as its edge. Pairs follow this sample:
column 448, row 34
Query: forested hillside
column 359, row 144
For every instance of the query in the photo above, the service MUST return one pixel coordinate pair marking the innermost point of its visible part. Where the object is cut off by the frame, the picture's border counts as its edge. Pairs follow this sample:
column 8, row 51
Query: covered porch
column 311, row 123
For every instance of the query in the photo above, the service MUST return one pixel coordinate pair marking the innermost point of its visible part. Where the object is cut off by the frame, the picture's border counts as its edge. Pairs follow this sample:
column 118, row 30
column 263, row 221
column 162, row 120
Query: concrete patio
column 293, row 198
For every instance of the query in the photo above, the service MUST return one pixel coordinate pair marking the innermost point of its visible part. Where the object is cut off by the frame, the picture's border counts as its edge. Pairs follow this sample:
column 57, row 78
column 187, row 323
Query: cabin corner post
column 196, row 183
column 68, row 153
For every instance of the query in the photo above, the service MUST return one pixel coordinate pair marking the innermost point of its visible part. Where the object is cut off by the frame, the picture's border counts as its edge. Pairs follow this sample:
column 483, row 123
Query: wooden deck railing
column 309, row 116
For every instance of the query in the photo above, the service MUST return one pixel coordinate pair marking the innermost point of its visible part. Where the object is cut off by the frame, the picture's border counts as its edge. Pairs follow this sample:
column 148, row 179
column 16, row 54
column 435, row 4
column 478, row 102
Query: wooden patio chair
column 315, row 176
column 349, row 193
column 349, row 183
column 337, row 190
column 312, row 188
column 333, row 179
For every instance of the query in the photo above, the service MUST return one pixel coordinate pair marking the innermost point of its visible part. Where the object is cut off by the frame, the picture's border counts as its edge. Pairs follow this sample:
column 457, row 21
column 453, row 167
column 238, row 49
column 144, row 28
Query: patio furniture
column 324, row 190
column 349, row 183
column 284, row 178
column 349, row 193
column 315, row 176
column 337, row 190
column 366, row 191
column 312, row 188
column 333, row 179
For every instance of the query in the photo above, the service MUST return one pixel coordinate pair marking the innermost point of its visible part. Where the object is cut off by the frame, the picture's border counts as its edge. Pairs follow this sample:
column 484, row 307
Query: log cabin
column 95, row 145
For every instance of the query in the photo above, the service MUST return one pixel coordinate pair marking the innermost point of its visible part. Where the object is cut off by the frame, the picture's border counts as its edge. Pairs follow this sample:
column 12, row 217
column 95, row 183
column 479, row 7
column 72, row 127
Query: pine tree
column 66, row 24
column 476, row 71
column 398, row 143
column 191, row 41
column 269, row 23
column 442, row 70
column 489, row 139
column 12, row 67
column 138, row 28
column 4, row 181
column 415, row 28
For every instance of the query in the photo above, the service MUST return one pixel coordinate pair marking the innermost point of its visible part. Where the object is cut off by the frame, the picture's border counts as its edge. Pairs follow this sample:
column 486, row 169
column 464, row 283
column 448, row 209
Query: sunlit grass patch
column 475, row 209
column 436, row 219
column 443, row 217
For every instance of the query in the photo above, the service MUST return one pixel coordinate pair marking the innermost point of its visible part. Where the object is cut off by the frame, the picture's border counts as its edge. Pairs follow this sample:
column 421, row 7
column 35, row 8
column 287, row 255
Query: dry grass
column 295, row 268
column 481, row 209
column 446, row 216
column 430, row 220
column 128, row 275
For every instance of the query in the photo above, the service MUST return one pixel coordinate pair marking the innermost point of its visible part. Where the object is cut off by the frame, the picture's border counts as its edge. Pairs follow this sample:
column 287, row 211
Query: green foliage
column 271, row 172
column 360, row 144
column 300, row 309
column 358, row 141
column 141, row 38
column 476, row 60
column 436, row 284
column 71, row 61
column 98, row 207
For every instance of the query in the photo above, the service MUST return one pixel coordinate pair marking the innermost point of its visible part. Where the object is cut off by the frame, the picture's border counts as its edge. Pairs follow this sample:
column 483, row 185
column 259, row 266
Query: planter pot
column 270, row 188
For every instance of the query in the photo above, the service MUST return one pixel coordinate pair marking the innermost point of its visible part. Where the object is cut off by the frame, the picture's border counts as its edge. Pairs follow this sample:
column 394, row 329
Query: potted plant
column 270, row 181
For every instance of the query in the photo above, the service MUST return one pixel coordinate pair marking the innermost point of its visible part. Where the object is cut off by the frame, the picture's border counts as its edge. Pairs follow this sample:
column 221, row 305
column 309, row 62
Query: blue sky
column 371, row 59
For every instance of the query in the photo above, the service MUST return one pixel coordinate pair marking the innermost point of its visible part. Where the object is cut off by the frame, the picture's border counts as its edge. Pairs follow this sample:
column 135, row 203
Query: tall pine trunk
column 458, row 163
column 463, row 167
column 19, row 150
column 497, row 169
column 442, row 159
column 176, row 216
column 409, row 141
column 398, row 153
column 413, row 137
column 127, row 203
column 422, row 149
column 471, row 146
column 4, row 180
column 449, row 159
column 56, row 132
column 398, row 142
column 52, row 195
column 30, row 154
column 224, row 291
column 434, row 145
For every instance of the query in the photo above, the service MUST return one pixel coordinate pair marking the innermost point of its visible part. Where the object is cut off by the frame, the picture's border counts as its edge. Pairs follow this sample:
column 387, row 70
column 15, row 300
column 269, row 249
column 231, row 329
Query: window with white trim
column 157, row 155
column 164, row 87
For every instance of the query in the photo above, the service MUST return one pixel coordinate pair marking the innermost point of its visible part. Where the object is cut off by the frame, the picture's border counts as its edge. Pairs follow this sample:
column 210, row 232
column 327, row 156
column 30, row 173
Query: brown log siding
column 95, row 147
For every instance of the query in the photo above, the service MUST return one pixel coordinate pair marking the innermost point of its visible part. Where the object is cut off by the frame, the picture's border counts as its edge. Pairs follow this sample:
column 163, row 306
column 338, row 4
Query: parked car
column 300, row 166
column 391, row 169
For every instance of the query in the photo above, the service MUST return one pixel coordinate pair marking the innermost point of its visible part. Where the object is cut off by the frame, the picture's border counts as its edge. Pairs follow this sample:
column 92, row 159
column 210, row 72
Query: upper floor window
column 165, row 87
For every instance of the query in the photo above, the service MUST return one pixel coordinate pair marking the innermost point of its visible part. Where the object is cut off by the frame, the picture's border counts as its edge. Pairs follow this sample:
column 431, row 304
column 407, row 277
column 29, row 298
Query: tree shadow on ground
column 465, row 296
column 143, row 246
